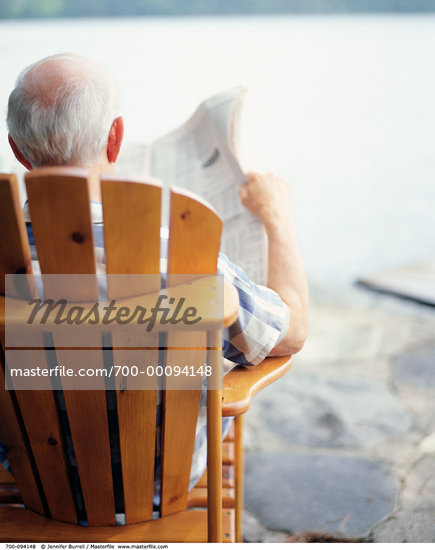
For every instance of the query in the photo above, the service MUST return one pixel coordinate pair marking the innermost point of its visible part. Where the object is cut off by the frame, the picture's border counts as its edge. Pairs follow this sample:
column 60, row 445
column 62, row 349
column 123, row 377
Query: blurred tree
column 102, row 8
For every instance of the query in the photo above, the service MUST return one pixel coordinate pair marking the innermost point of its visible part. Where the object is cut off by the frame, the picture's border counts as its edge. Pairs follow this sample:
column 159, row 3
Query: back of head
column 61, row 111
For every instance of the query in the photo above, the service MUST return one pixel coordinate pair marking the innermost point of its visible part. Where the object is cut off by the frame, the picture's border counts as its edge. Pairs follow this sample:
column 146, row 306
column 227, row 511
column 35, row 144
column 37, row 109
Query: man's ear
column 18, row 154
column 114, row 141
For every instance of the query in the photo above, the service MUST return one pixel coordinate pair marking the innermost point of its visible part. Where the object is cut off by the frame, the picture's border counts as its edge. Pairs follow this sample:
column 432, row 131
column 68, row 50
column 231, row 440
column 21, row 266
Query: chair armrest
column 242, row 383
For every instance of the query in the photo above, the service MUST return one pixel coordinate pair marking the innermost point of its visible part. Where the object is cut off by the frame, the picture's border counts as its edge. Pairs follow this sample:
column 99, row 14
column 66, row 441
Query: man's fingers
column 251, row 176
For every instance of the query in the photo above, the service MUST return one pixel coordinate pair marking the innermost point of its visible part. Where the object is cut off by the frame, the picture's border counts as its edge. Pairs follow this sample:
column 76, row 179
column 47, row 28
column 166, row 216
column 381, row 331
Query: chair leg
column 239, row 481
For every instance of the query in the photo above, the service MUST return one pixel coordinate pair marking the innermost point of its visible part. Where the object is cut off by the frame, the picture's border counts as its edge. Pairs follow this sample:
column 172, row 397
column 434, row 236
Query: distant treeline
column 108, row 8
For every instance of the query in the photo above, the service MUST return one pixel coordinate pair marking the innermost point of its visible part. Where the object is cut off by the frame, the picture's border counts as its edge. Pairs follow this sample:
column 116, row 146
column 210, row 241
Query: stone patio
column 344, row 444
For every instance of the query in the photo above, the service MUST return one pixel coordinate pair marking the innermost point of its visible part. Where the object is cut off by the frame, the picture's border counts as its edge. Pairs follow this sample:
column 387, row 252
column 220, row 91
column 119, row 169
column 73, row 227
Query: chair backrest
column 65, row 240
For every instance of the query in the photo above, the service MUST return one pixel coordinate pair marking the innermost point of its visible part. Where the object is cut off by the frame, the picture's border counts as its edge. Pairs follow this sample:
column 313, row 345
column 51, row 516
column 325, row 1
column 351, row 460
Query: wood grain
column 193, row 248
column 242, row 383
column 132, row 241
column 228, row 452
column 60, row 211
column 131, row 235
column 197, row 498
column 195, row 234
column 19, row 453
column 228, row 481
column 61, row 219
column 214, row 437
column 180, row 413
column 19, row 525
column 14, row 258
column 239, row 475
column 14, row 245
column 39, row 412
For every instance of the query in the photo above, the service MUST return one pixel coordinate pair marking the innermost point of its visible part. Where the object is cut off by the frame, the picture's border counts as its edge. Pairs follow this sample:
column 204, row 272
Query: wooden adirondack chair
column 38, row 503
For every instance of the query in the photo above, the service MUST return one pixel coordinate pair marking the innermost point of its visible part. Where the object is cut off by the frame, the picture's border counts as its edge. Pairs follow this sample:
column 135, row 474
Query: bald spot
column 44, row 81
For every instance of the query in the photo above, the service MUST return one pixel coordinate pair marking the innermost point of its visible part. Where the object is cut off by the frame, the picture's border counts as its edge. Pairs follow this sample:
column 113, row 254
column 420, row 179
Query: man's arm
column 268, row 197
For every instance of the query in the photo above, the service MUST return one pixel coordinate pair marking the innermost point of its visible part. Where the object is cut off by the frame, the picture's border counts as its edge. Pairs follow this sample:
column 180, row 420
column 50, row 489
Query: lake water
column 344, row 107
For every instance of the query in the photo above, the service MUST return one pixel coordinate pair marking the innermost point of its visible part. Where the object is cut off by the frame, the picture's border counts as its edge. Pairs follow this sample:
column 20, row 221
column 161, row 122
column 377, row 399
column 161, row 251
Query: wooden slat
column 132, row 241
column 131, row 234
column 39, row 412
column 90, row 439
column 89, row 429
column 194, row 238
column 60, row 210
column 14, row 245
column 137, row 409
column 180, row 413
column 19, row 525
column 197, row 498
column 228, row 452
column 227, row 478
column 242, row 383
column 214, row 437
column 49, row 458
column 9, row 494
column 87, row 416
column 240, row 473
column 137, row 428
column 18, row 453
column 193, row 248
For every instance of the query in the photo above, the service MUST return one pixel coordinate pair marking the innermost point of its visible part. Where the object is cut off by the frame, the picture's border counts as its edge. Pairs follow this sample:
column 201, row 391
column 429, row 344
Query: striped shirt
column 262, row 322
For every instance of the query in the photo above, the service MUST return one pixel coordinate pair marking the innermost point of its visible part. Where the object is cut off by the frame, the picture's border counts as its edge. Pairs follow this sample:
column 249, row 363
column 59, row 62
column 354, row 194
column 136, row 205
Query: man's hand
column 268, row 197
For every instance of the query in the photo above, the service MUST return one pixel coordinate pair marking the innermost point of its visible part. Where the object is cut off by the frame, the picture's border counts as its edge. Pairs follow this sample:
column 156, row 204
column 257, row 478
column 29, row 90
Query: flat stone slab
column 413, row 282
column 319, row 492
column 416, row 369
column 325, row 408
column 419, row 486
column 407, row 526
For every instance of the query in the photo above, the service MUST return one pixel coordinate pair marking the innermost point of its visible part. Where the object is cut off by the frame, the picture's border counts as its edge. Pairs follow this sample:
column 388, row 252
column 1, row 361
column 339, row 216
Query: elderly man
column 63, row 112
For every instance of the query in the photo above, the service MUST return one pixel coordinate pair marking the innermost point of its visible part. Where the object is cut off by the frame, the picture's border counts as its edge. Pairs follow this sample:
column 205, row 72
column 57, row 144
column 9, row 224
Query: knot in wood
column 77, row 237
column 185, row 215
column 173, row 499
column 52, row 441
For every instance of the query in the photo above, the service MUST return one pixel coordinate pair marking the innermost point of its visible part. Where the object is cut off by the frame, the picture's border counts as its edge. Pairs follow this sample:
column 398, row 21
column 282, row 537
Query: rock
column 330, row 408
column 254, row 531
column 416, row 369
column 319, row 492
column 419, row 485
column 427, row 446
column 407, row 526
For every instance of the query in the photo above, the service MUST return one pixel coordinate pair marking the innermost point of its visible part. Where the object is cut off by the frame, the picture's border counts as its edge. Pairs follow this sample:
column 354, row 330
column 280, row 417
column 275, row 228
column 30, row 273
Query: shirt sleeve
column 262, row 322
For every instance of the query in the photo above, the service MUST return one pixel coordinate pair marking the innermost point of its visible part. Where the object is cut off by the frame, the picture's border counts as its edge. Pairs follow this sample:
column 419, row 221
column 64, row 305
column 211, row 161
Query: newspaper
column 201, row 156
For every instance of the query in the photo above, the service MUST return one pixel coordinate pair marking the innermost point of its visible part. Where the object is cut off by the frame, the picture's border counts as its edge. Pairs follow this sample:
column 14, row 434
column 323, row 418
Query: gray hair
column 71, row 126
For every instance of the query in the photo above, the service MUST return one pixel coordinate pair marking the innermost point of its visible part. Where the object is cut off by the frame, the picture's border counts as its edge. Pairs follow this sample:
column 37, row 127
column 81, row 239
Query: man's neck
column 94, row 184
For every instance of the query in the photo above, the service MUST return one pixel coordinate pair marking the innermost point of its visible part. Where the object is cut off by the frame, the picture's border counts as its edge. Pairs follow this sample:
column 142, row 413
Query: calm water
column 344, row 107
